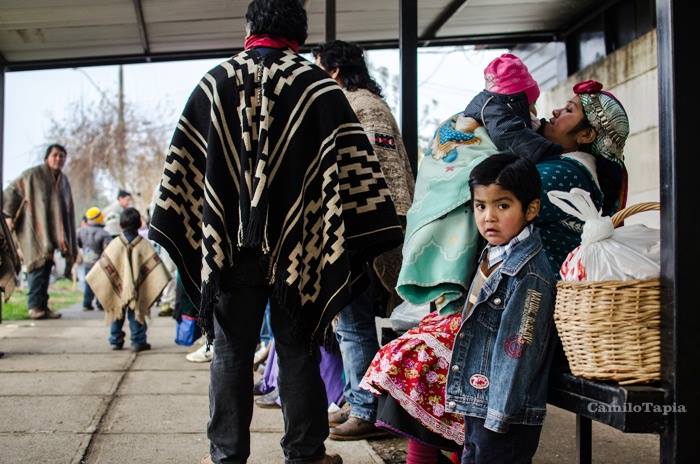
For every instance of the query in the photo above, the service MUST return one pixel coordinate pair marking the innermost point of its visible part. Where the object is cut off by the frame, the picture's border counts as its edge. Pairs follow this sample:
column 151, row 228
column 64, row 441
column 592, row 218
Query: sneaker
column 117, row 347
column 356, row 429
column 340, row 416
column 37, row 314
column 88, row 308
column 201, row 355
column 144, row 347
column 268, row 401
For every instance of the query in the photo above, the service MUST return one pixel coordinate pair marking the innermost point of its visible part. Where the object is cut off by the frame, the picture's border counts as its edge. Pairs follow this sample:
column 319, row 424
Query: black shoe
column 118, row 347
column 269, row 401
column 144, row 347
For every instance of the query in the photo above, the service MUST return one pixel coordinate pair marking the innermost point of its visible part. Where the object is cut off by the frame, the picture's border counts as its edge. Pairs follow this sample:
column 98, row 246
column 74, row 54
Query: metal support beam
column 138, row 8
column 582, row 21
column 676, row 39
column 483, row 39
column 2, row 134
column 408, row 50
column 445, row 15
column 330, row 20
column 584, row 440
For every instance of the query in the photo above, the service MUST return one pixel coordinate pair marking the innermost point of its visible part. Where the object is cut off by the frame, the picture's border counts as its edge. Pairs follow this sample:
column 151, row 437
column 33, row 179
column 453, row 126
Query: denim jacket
column 502, row 352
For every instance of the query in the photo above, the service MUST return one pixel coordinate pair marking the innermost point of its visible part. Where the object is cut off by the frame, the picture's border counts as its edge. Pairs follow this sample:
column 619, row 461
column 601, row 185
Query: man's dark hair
column 349, row 60
column 57, row 147
column 513, row 173
column 122, row 194
column 130, row 219
column 280, row 18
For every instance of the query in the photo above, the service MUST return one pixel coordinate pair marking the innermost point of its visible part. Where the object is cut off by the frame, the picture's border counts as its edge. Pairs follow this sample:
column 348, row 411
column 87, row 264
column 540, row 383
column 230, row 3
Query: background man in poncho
column 38, row 206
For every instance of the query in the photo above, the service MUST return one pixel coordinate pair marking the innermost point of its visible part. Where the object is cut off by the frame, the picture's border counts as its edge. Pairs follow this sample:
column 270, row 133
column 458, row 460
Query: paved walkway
column 65, row 398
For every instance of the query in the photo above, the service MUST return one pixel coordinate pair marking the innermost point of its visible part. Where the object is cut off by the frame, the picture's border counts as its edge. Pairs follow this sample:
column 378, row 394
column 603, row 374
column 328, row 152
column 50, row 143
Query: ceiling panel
column 35, row 30
column 507, row 16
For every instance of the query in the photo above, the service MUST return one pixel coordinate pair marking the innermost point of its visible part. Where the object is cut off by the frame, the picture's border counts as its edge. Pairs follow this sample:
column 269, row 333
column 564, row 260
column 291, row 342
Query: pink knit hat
column 508, row 75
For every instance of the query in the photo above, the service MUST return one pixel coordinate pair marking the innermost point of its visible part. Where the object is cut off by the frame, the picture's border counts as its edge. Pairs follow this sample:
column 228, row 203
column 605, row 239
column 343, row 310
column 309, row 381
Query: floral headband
column 607, row 116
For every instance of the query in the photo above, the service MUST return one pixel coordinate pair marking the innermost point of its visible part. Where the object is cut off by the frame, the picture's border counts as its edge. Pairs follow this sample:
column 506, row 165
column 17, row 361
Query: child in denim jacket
column 502, row 353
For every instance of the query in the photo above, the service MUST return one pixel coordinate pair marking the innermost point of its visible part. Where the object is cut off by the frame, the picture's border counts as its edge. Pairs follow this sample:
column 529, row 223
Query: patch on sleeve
column 533, row 300
column 479, row 381
column 384, row 141
column 514, row 346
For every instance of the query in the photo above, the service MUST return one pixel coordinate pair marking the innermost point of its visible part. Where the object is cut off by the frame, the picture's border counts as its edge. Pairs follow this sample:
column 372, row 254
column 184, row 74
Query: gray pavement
column 65, row 397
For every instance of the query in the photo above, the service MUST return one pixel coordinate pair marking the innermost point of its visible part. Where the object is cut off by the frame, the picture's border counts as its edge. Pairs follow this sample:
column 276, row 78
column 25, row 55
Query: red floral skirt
column 413, row 370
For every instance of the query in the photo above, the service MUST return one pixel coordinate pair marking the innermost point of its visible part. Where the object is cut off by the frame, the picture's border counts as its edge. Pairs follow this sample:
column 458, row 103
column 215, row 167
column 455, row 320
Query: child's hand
column 467, row 124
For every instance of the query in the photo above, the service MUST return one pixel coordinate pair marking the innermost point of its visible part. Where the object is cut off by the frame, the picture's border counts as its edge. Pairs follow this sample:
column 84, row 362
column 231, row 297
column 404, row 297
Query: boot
column 356, row 429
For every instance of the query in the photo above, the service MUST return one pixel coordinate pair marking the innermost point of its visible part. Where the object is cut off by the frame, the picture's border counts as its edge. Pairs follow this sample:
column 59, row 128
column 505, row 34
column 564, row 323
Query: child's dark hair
column 130, row 219
column 513, row 173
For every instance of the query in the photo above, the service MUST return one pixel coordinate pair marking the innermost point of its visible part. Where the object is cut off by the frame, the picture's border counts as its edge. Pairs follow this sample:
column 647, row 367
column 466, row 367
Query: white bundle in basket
column 606, row 253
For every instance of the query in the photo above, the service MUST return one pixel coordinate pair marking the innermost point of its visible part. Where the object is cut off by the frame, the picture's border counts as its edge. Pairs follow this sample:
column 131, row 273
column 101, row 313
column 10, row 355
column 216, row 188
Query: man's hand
column 10, row 223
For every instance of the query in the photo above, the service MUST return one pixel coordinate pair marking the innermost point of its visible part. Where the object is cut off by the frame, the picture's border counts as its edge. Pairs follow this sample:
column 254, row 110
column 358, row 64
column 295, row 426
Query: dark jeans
column 483, row 446
column 138, row 330
column 357, row 337
column 238, row 318
column 88, row 294
column 38, row 283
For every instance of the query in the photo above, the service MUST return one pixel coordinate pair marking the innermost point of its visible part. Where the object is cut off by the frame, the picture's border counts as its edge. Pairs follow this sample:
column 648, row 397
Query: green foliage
column 61, row 296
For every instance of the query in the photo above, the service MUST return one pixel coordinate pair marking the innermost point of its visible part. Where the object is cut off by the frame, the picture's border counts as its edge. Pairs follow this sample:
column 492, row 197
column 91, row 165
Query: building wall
column 630, row 73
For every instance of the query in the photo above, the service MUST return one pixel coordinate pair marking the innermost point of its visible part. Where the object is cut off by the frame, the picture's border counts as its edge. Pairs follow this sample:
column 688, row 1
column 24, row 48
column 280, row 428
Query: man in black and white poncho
column 271, row 190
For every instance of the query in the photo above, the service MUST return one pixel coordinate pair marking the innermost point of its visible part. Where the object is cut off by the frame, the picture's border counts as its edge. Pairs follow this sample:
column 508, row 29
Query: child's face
column 499, row 214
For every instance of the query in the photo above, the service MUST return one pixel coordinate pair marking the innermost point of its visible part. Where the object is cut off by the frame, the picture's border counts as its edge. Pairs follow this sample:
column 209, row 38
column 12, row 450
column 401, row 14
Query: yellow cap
column 95, row 215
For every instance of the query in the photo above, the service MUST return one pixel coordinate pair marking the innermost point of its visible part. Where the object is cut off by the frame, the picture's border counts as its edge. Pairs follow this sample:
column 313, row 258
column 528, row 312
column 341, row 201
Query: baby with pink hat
column 506, row 108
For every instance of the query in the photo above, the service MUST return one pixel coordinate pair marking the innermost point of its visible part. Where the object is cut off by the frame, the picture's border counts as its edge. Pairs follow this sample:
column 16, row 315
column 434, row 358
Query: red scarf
column 268, row 41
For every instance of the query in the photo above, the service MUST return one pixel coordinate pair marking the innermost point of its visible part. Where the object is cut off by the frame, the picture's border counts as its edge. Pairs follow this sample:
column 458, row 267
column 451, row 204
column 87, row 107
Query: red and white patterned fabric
column 413, row 370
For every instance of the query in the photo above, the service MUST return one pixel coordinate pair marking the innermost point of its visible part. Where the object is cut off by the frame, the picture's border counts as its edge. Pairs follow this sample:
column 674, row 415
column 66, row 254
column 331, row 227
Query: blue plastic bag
column 185, row 332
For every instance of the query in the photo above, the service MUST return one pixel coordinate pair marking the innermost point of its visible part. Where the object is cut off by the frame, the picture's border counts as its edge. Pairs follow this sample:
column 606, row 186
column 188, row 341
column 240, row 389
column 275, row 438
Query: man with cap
column 112, row 212
column 92, row 240
column 38, row 207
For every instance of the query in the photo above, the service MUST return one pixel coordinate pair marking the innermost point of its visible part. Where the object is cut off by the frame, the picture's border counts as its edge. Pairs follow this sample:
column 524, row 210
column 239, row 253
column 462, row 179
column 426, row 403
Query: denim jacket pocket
column 491, row 311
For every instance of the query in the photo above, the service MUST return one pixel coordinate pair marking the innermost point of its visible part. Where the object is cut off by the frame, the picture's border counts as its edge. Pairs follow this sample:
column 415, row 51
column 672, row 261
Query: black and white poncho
column 269, row 155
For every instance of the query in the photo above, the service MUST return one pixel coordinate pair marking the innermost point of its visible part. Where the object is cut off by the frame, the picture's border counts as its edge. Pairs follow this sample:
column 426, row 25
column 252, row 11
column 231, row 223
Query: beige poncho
column 128, row 275
column 41, row 206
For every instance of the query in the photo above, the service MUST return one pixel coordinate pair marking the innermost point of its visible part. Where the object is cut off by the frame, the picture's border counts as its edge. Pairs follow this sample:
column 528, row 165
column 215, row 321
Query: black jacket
column 507, row 120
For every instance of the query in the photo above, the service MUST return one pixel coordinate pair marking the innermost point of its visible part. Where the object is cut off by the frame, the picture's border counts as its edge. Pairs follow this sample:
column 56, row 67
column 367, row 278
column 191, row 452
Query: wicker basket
column 610, row 329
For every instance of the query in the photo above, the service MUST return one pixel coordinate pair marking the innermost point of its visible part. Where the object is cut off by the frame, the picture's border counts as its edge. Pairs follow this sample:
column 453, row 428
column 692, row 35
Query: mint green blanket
column 441, row 241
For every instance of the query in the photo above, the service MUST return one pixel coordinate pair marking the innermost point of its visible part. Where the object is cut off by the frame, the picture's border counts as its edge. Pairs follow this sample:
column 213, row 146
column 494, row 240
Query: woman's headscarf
column 607, row 116
column 609, row 119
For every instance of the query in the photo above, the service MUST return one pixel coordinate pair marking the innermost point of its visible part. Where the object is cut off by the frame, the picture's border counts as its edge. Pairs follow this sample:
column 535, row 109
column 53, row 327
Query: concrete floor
column 66, row 398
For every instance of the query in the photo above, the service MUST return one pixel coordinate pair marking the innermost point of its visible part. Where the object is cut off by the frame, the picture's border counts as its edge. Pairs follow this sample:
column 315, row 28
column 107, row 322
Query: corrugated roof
column 56, row 32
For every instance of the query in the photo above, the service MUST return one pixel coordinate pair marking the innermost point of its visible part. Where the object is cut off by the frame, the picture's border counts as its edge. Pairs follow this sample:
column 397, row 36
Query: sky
column 450, row 76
